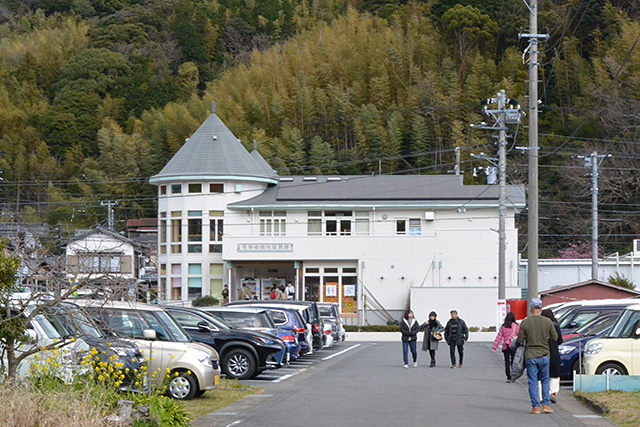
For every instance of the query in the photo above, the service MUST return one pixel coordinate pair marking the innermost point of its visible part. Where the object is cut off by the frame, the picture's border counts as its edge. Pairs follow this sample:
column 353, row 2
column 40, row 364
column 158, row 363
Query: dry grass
column 24, row 408
column 228, row 392
column 624, row 407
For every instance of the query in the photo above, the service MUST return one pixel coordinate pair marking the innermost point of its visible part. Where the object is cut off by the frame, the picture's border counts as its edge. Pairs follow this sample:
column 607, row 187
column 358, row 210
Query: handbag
column 437, row 336
column 517, row 367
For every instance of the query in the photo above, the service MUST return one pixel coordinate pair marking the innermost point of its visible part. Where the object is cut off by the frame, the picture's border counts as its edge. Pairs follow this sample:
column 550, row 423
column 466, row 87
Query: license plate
column 216, row 380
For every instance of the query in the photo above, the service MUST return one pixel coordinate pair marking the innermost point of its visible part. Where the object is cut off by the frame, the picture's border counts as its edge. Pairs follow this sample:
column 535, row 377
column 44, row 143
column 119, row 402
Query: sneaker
column 415, row 364
column 432, row 364
column 508, row 381
column 453, row 366
column 405, row 366
column 553, row 399
column 547, row 409
column 535, row 411
column 460, row 365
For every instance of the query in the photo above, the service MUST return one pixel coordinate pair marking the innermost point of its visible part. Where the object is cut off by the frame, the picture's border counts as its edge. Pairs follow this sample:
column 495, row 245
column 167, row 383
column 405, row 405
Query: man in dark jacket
column 456, row 333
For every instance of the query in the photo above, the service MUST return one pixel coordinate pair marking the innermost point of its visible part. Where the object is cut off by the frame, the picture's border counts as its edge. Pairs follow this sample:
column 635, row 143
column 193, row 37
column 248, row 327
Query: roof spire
column 213, row 107
column 255, row 145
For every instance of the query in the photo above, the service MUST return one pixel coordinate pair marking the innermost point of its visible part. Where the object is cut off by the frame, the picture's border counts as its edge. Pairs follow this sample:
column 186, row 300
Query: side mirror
column 150, row 334
column 204, row 326
column 572, row 325
column 638, row 332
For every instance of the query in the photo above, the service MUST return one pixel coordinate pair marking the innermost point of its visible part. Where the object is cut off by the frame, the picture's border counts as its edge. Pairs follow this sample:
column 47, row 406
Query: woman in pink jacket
column 508, row 332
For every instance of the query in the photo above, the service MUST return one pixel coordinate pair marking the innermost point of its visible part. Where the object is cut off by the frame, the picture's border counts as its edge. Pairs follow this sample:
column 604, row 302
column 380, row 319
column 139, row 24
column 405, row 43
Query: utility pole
column 593, row 161
column 532, row 223
column 457, row 167
column 502, row 116
column 110, row 205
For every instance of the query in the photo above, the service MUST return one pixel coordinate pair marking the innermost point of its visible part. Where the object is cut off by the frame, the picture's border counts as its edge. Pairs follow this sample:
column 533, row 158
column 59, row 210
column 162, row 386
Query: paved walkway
column 367, row 386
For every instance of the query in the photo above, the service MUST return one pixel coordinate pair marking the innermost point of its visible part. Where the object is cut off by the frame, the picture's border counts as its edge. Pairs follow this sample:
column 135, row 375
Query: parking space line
column 286, row 377
column 235, row 423
column 341, row 352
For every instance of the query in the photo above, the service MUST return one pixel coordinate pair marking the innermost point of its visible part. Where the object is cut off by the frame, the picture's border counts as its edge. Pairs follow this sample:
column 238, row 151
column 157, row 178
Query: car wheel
column 611, row 369
column 184, row 386
column 239, row 363
column 199, row 393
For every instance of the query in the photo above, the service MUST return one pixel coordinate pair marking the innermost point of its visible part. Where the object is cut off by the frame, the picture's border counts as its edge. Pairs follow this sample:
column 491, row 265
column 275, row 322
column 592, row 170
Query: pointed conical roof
column 213, row 152
column 266, row 167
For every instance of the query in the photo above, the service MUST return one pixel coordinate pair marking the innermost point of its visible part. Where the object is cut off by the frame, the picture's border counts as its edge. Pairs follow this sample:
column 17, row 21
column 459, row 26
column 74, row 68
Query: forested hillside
column 97, row 95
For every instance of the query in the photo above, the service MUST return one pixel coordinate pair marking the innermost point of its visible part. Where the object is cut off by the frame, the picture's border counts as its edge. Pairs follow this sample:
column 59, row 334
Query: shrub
column 205, row 301
column 621, row 280
column 372, row 328
column 488, row 329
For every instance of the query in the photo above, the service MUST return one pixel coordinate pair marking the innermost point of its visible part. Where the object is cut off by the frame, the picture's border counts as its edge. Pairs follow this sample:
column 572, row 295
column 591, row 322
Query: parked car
column 311, row 316
column 164, row 344
column 244, row 354
column 579, row 315
column 330, row 313
column 256, row 319
column 575, row 344
column 618, row 352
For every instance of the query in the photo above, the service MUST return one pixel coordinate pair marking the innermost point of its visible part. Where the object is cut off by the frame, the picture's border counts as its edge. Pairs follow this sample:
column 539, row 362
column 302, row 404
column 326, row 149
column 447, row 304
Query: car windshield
column 561, row 312
column 132, row 323
column 597, row 326
column 626, row 324
column 74, row 322
column 49, row 329
column 325, row 310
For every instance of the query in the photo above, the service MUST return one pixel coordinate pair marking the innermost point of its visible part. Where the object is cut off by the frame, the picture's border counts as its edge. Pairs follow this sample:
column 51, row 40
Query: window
column 401, row 226
column 100, row 263
column 216, row 269
column 273, row 223
column 362, row 223
column 176, row 188
column 216, row 188
column 279, row 317
column 194, row 287
column 216, row 229
column 195, row 188
column 176, row 269
column 194, row 249
column 215, row 287
column 163, row 269
column 314, row 223
column 215, row 249
column 195, row 230
column 163, row 190
column 414, row 227
column 163, row 231
column 176, row 249
column 195, row 269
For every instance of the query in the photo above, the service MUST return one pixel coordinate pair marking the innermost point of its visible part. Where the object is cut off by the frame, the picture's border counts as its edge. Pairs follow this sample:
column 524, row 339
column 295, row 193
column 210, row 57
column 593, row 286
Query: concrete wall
column 477, row 306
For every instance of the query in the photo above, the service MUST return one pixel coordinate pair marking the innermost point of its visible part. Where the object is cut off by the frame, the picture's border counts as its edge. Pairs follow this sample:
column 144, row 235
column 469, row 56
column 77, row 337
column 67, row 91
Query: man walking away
column 291, row 291
column 537, row 331
column 456, row 334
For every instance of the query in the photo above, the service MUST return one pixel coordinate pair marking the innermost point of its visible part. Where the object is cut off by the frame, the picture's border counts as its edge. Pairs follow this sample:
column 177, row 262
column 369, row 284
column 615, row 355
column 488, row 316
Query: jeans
column 405, row 351
column 538, row 370
column 452, row 352
column 508, row 360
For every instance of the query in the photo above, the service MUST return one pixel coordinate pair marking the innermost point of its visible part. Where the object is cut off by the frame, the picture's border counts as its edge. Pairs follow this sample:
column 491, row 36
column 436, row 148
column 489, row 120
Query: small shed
column 587, row 290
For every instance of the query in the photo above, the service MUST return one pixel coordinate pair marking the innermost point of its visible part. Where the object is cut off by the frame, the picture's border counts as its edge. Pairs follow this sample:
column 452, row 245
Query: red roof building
column 587, row 290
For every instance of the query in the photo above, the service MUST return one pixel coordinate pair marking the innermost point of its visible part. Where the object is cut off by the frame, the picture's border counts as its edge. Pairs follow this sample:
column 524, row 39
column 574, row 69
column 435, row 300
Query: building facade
column 226, row 218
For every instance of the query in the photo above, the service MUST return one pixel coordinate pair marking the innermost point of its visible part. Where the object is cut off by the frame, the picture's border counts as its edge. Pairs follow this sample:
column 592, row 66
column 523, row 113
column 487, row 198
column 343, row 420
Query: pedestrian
column 456, row 333
column 245, row 292
column 282, row 295
column 291, row 291
column 225, row 294
column 274, row 292
column 409, row 327
column 432, row 336
column 507, row 333
column 554, row 357
column 537, row 330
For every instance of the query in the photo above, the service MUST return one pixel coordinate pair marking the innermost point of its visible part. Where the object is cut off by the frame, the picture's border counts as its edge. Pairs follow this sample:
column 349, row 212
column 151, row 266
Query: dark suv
column 582, row 314
column 244, row 354
column 311, row 315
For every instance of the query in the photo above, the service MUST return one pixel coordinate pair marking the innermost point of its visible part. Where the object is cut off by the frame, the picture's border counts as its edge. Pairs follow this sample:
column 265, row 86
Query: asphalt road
column 364, row 384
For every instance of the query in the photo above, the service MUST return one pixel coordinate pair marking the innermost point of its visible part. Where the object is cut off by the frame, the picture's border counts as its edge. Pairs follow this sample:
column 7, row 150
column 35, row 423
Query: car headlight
column 566, row 349
column 264, row 340
column 204, row 357
column 594, row 348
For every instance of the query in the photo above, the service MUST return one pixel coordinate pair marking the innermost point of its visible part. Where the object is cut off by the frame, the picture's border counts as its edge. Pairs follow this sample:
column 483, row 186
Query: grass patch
column 624, row 407
column 228, row 392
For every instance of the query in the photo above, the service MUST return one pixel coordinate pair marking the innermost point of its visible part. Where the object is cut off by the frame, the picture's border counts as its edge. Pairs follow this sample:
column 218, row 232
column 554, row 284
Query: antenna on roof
column 255, row 145
column 213, row 107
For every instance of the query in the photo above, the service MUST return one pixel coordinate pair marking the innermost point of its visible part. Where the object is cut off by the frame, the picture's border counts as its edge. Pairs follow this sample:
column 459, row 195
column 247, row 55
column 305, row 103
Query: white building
column 365, row 242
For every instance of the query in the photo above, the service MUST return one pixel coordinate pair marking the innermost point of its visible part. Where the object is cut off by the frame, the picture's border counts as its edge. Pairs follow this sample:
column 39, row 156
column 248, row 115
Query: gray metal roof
column 213, row 152
column 381, row 190
column 266, row 167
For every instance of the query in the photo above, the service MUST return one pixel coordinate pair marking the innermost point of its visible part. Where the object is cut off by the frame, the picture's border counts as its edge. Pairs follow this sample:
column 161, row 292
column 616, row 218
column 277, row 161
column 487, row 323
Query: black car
column 311, row 316
column 244, row 354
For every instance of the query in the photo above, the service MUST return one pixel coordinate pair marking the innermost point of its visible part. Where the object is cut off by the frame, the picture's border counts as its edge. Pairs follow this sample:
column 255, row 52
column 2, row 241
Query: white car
column 619, row 352
column 193, row 368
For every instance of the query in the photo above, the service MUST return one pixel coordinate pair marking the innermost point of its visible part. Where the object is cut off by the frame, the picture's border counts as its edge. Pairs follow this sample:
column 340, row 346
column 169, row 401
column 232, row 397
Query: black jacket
column 554, row 358
column 461, row 336
column 409, row 333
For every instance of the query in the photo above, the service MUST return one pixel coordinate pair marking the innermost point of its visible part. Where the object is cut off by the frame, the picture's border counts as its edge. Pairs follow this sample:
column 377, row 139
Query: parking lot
column 300, row 365
column 364, row 384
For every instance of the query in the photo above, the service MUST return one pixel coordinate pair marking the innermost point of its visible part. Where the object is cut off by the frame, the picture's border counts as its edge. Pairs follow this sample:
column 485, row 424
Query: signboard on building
column 265, row 247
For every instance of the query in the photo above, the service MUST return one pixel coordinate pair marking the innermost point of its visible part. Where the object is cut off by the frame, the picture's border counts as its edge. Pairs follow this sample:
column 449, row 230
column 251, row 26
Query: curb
column 599, row 408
